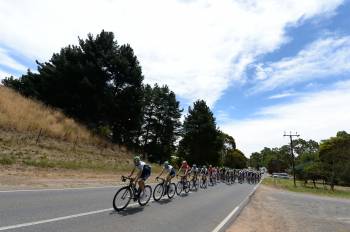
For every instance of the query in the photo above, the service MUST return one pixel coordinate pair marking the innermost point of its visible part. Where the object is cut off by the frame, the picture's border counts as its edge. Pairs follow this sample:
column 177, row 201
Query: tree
column 256, row 160
column 97, row 82
column 228, row 143
column 235, row 159
column 202, row 142
column 335, row 155
column 276, row 165
column 161, row 122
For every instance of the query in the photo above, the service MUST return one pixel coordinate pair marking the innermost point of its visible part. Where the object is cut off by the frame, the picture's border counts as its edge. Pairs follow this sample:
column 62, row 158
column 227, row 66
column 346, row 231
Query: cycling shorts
column 146, row 172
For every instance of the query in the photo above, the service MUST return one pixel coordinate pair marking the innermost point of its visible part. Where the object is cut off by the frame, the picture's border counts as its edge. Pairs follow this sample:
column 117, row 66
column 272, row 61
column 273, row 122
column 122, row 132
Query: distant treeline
column 100, row 84
column 328, row 161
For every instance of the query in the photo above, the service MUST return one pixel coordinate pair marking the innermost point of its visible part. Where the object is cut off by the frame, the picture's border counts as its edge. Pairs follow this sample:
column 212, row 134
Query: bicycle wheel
column 205, row 184
column 122, row 198
column 210, row 182
column 187, row 187
column 171, row 190
column 179, row 187
column 145, row 195
column 158, row 192
column 194, row 185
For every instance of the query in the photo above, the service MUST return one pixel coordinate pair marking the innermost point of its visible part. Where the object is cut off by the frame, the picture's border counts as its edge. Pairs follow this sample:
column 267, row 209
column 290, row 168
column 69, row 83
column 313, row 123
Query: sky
column 264, row 67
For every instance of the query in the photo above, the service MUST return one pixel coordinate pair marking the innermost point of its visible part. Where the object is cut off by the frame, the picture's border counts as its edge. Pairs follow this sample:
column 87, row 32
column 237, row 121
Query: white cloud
column 321, row 59
column 315, row 116
column 282, row 95
column 222, row 116
column 7, row 61
column 196, row 47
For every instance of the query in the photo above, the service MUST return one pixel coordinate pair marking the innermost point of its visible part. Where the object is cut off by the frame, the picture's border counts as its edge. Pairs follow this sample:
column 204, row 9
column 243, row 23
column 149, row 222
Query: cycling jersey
column 145, row 170
column 194, row 170
column 185, row 167
column 140, row 165
column 169, row 168
column 204, row 171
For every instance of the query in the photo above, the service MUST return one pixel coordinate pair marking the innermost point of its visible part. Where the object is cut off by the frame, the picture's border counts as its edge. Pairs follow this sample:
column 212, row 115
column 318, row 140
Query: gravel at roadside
column 277, row 210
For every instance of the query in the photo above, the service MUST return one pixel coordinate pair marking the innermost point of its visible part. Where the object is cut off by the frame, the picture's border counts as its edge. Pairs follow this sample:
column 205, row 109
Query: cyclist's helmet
column 204, row 166
column 137, row 160
column 166, row 164
column 194, row 165
column 210, row 166
column 184, row 162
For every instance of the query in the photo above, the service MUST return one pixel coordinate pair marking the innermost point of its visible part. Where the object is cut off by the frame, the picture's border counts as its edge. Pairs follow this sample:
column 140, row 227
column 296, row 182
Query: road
column 90, row 210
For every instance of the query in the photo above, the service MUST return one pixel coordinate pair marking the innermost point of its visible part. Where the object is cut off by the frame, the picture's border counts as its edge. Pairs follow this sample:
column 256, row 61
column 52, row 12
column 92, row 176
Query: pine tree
column 202, row 142
column 161, row 122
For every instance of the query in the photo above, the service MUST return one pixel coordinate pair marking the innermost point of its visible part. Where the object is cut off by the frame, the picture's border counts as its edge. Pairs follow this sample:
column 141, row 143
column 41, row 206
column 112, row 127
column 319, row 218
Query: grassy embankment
column 61, row 144
column 321, row 190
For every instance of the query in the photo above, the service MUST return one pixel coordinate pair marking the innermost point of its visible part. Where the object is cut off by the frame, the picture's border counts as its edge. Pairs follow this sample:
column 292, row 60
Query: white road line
column 60, row 218
column 53, row 219
column 230, row 215
column 218, row 228
column 62, row 189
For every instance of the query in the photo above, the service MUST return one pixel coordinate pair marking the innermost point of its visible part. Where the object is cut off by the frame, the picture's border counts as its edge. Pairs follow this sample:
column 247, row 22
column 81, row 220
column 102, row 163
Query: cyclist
column 194, row 171
column 204, row 172
column 210, row 173
column 170, row 170
column 184, row 169
column 143, row 172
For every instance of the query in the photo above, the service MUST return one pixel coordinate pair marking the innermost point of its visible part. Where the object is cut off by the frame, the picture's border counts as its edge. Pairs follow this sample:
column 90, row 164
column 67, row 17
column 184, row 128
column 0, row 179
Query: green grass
column 287, row 184
column 6, row 160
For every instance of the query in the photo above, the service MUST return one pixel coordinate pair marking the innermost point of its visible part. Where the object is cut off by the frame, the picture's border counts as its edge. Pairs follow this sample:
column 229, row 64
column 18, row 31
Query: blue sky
column 264, row 67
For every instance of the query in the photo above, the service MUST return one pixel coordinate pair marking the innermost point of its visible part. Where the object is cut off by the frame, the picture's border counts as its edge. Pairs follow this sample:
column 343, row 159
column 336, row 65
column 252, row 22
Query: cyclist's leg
column 146, row 172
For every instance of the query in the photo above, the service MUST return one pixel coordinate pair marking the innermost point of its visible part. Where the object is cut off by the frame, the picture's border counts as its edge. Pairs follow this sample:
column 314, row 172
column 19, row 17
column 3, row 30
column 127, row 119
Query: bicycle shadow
column 183, row 195
column 163, row 201
column 128, row 211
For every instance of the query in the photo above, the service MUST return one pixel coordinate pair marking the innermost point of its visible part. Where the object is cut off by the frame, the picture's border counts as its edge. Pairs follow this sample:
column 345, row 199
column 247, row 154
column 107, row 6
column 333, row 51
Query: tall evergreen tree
column 161, row 122
column 202, row 142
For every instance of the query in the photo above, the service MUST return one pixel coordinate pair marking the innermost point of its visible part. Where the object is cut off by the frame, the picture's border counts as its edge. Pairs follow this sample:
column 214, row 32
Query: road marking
column 60, row 218
column 62, row 189
column 53, row 219
column 218, row 228
column 228, row 217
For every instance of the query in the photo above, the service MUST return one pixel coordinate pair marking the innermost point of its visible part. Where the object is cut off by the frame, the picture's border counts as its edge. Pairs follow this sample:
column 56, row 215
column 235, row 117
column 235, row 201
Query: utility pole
column 290, row 135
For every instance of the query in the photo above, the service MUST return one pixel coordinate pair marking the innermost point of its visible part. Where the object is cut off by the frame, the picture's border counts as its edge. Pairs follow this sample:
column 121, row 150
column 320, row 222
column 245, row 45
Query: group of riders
column 208, row 175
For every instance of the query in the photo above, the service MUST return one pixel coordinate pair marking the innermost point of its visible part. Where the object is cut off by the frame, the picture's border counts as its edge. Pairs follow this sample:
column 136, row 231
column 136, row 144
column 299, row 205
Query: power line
column 290, row 135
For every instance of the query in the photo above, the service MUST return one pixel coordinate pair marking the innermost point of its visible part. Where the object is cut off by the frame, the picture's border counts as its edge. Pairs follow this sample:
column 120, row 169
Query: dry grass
column 26, row 115
column 62, row 144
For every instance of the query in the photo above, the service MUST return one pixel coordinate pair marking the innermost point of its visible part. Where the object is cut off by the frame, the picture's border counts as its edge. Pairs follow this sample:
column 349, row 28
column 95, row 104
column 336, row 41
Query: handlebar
column 124, row 178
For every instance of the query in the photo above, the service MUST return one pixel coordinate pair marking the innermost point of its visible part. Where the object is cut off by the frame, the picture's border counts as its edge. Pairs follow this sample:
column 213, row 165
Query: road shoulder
column 273, row 209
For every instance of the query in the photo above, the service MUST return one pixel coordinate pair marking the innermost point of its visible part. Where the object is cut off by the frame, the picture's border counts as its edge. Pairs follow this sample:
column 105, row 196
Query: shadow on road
column 128, row 211
column 183, row 195
column 164, row 201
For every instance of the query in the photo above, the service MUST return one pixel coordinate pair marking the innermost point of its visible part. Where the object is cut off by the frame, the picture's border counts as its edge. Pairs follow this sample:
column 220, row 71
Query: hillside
column 35, row 135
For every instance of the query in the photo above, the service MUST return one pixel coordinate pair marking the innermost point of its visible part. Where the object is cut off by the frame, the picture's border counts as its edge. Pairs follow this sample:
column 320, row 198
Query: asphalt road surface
column 91, row 210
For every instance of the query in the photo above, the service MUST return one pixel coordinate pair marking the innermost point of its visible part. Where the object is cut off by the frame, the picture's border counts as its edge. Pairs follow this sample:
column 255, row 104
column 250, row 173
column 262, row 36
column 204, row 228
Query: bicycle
column 194, row 184
column 204, row 182
column 163, row 189
column 124, row 195
column 212, row 180
column 182, row 185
